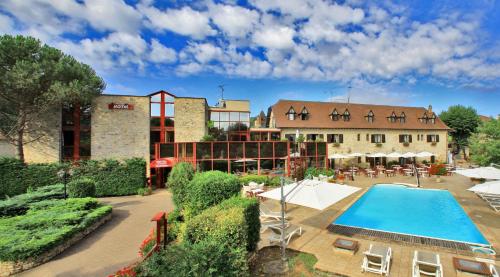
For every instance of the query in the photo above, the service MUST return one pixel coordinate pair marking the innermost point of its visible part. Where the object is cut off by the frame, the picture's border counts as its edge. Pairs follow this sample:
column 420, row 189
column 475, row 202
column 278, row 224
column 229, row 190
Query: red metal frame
column 76, row 132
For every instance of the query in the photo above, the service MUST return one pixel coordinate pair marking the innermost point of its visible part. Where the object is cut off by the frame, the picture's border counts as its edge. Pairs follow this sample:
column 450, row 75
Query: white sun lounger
column 492, row 199
column 427, row 264
column 291, row 230
column 264, row 225
column 266, row 213
column 377, row 260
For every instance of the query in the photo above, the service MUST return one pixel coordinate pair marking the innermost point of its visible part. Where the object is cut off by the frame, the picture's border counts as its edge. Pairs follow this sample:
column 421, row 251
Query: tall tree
column 485, row 144
column 35, row 78
column 463, row 121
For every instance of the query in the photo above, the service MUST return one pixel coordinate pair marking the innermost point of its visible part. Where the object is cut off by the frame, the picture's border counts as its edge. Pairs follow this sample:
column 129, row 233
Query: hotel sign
column 116, row 106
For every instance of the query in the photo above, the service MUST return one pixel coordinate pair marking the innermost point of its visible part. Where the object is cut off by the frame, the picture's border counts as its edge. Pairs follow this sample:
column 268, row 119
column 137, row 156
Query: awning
column 313, row 194
column 376, row 155
column 162, row 163
column 488, row 172
column 492, row 187
column 424, row 154
column 337, row 156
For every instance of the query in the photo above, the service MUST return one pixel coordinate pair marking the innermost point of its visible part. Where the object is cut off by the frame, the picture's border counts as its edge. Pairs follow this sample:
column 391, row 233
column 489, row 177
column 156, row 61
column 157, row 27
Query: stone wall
column 351, row 144
column 191, row 115
column 234, row 105
column 45, row 132
column 120, row 134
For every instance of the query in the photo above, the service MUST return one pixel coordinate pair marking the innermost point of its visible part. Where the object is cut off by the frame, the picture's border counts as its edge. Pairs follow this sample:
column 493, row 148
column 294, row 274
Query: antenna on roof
column 349, row 94
column 221, row 87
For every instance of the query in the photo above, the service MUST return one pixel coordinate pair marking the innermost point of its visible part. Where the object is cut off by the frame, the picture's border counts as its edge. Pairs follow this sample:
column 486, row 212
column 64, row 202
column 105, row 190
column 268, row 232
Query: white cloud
column 274, row 37
column 295, row 8
column 184, row 21
column 189, row 68
column 6, row 24
column 161, row 54
column 232, row 20
column 203, row 52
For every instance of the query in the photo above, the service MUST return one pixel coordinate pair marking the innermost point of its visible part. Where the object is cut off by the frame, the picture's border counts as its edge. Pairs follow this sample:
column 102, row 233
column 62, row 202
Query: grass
column 303, row 259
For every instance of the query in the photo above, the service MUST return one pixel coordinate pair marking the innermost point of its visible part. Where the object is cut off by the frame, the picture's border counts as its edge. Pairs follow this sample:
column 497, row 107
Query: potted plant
column 438, row 170
column 406, row 144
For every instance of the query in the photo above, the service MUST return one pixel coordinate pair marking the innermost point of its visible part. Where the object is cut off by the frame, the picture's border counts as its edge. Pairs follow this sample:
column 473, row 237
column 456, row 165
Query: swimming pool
column 419, row 212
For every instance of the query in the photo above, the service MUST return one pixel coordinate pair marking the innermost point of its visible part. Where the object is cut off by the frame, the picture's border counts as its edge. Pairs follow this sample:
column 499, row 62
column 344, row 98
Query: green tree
column 485, row 144
column 35, row 78
column 463, row 121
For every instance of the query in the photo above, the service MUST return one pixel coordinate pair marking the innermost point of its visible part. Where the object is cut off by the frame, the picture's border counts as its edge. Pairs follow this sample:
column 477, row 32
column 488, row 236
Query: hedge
column 205, row 258
column 81, row 188
column 47, row 224
column 208, row 189
column 259, row 179
column 251, row 213
column 113, row 178
column 178, row 180
column 16, row 178
column 19, row 204
column 313, row 171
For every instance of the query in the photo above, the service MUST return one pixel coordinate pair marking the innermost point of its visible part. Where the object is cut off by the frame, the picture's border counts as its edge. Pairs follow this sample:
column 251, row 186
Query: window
column 392, row 118
column 432, row 138
column 290, row 137
column 304, row 114
column 402, row 118
column 378, row 138
column 335, row 138
column 347, row 115
column 428, row 119
column 291, row 114
column 334, row 115
column 370, row 117
column 433, row 118
column 359, row 137
column 314, row 137
column 405, row 138
column 231, row 121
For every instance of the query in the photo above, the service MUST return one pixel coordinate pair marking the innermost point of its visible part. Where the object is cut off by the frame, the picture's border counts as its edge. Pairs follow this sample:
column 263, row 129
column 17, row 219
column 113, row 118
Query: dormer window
column 433, row 118
column 402, row 118
column 346, row 115
column 304, row 114
column 334, row 115
column 392, row 118
column 424, row 118
column 370, row 117
column 291, row 114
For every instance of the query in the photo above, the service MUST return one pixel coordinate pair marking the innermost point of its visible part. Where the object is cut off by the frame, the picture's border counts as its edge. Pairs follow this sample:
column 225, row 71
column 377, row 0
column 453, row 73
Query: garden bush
column 205, row 258
column 259, row 179
column 315, row 172
column 112, row 177
column 81, row 188
column 16, row 178
column 251, row 213
column 208, row 189
column 19, row 204
column 46, row 225
column 178, row 180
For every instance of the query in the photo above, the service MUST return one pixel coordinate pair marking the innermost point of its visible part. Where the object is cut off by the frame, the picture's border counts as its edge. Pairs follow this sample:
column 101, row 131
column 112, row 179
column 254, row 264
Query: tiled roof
column 319, row 116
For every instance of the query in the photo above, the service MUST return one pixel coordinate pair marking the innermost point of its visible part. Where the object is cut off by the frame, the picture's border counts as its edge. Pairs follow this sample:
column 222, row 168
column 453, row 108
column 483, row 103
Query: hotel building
column 165, row 129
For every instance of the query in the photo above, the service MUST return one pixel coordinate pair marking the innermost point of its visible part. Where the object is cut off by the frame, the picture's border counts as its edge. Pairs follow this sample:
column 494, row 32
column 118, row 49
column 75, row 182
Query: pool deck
column 317, row 240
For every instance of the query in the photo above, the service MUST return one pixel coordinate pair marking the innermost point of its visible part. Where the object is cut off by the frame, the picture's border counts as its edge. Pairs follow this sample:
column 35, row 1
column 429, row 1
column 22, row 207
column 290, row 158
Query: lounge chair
column 427, row 264
column 266, row 213
column 291, row 230
column 492, row 199
column 377, row 260
column 495, row 270
column 266, row 224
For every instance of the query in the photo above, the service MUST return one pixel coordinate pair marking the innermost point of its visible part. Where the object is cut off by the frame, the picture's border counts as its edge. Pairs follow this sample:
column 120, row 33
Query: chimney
column 429, row 110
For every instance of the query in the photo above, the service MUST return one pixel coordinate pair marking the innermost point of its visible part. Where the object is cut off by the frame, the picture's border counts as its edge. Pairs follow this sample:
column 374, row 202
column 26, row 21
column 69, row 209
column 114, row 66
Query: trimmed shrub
column 114, row 178
column 19, row 204
column 205, row 258
column 251, row 214
column 259, row 179
column 313, row 171
column 81, row 188
column 46, row 225
column 208, row 189
column 178, row 180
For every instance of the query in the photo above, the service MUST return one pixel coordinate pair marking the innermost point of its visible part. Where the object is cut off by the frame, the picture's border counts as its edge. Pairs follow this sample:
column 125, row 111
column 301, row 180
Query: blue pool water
column 419, row 212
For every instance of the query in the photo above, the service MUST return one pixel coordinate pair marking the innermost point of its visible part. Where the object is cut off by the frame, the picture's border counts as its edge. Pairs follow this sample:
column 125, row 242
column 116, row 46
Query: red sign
column 115, row 106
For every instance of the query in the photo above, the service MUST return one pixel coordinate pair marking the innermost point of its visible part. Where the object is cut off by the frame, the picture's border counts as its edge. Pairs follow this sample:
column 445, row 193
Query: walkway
column 113, row 245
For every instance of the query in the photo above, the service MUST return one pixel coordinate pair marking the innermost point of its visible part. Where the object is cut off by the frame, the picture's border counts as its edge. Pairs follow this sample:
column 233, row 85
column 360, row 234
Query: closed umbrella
column 488, row 172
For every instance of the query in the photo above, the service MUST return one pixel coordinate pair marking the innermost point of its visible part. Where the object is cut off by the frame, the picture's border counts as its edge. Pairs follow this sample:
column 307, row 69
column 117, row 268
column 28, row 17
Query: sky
column 414, row 53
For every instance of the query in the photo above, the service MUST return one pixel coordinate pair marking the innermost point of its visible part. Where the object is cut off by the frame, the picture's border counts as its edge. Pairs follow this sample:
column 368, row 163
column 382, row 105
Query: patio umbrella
column 492, row 187
column 377, row 155
column 394, row 155
column 409, row 155
column 337, row 156
column 488, row 172
column 424, row 154
column 356, row 154
column 313, row 194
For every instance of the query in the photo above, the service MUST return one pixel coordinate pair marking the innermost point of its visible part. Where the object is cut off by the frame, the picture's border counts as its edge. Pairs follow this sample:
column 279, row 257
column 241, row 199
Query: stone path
column 113, row 245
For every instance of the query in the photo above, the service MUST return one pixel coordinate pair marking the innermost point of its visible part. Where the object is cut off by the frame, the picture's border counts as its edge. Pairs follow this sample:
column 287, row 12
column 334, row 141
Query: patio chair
column 377, row 260
column 427, row 264
column 291, row 230
column 495, row 270
column 267, row 213
column 246, row 190
column 253, row 185
column 273, row 223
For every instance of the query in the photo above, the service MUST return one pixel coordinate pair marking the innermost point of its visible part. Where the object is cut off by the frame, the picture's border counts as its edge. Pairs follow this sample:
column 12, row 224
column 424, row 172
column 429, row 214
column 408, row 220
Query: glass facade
column 76, row 132
column 162, row 119
column 230, row 125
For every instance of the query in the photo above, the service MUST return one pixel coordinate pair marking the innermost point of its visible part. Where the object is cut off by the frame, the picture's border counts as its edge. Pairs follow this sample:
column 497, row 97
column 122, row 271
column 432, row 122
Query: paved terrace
column 318, row 241
column 113, row 245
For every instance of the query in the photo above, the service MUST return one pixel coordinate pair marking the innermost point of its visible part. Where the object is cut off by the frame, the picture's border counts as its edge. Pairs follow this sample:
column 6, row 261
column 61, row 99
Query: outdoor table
column 389, row 173
column 346, row 245
column 470, row 267
column 371, row 173
column 408, row 172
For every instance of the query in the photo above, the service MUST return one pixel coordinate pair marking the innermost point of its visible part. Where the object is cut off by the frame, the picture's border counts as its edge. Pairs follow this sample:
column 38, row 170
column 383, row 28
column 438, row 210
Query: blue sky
column 399, row 53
